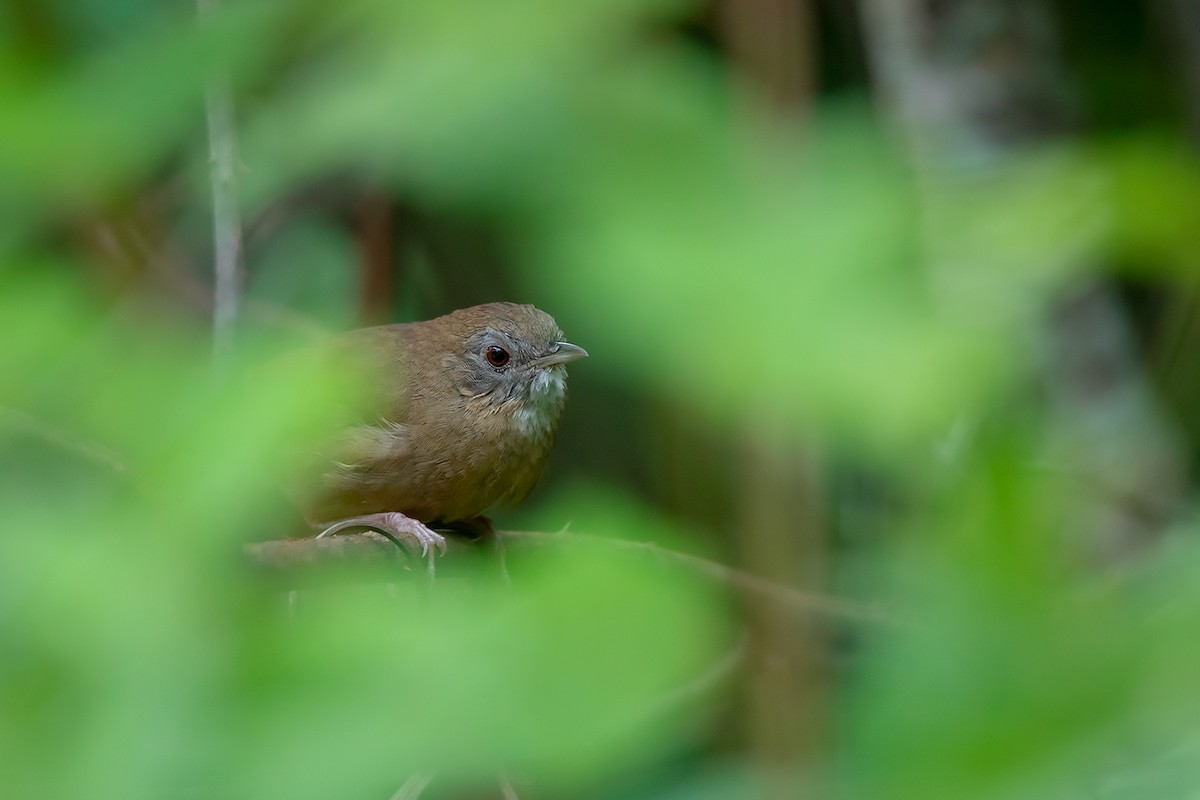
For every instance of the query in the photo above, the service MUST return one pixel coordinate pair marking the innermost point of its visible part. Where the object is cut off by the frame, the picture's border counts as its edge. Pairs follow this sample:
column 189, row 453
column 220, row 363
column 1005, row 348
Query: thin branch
column 227, row 226
column 291, row 556
column 68, row 441
column 414, row 787
column 720, row 673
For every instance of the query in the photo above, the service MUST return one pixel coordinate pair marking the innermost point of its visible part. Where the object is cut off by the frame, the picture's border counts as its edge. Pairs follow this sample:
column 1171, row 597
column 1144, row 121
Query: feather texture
column 453, row 434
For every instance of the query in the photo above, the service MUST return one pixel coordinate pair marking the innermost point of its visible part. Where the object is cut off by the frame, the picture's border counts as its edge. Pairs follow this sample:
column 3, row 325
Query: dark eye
column 497, row 356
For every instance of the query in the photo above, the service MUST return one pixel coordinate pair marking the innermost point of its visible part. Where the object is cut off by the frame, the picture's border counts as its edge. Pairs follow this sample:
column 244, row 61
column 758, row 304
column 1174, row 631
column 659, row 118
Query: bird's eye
column 497, row 356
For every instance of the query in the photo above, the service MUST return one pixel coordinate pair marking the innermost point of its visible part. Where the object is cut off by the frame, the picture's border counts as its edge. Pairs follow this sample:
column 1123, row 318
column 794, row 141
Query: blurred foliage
column 142, row 659
column 727, row 261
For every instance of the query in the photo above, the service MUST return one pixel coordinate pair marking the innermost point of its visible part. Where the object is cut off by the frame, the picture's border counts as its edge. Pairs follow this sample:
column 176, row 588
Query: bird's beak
column 561, row 353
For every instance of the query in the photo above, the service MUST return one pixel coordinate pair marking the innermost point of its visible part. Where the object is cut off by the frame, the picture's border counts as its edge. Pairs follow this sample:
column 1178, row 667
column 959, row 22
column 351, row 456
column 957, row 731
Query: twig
column 795, row 599
column 296, row 555
column 414, row 787
column 287, row 556
column 227, row 229
column 719, row 673
column 68, row 441
column 507, row 790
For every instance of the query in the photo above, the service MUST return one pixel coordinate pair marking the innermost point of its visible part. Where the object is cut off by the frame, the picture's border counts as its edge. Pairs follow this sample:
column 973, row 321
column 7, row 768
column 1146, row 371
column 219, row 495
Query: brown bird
column 469, row 408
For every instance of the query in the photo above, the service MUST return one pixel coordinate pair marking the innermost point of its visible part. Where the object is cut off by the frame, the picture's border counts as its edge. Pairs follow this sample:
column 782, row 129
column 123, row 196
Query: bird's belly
column 467, row 486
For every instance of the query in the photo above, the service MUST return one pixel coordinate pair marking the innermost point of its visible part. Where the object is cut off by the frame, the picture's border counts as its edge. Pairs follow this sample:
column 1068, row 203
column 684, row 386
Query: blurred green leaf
column 1155, row 185
column 753, row 275
column 142, row 659
column 76, row 134
column 745, row 266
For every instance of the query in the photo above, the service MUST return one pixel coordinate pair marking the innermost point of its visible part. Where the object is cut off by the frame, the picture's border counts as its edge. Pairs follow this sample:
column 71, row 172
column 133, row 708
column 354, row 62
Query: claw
column 396, row 527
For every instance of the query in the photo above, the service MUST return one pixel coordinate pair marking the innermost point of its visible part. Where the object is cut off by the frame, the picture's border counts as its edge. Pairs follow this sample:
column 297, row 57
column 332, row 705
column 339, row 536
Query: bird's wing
column 361, row 448
column 377, row 358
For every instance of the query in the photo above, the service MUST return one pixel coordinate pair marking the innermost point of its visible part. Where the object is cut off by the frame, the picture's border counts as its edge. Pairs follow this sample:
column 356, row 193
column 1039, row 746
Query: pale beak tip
column 564, row 353
column 570, row 352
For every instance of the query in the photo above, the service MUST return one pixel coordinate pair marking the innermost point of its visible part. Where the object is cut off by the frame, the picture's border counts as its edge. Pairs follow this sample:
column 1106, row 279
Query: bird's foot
column 404, row 531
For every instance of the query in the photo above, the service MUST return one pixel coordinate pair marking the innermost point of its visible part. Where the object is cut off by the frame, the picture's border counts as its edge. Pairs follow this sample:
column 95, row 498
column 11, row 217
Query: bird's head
column 515, row 354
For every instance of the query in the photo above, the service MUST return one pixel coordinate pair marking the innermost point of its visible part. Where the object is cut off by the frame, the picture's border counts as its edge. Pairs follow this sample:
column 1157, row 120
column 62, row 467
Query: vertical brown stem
column 781, row 534
column 772, row 43
column 376, row 258
column 782, row 537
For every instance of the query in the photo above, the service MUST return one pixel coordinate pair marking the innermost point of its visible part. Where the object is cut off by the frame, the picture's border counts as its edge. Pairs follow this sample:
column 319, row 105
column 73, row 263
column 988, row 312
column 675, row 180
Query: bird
column 466, row 410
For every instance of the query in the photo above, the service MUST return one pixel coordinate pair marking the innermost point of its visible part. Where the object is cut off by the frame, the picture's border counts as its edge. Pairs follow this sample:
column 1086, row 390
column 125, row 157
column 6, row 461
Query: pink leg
column 401, row 529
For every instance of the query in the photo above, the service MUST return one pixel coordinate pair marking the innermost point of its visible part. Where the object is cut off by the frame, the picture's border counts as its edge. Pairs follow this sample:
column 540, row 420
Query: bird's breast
column 536, row 414
column 500, row 454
